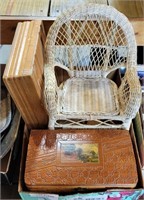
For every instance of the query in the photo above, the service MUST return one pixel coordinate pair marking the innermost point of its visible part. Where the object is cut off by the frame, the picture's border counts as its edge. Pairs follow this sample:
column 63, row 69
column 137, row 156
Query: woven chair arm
column 130, row 94
column 70, row 73
column 50, row 90
column 58, row 64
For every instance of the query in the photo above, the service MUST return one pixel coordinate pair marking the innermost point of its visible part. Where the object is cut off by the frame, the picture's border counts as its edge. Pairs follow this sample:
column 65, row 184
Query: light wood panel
column 58, row 6
column 138, row 26
column 131, row 8
column 24, row 8
column 23, row 75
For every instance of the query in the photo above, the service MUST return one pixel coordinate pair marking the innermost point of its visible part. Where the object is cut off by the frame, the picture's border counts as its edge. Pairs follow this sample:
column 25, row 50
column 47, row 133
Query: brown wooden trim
column 8, row 28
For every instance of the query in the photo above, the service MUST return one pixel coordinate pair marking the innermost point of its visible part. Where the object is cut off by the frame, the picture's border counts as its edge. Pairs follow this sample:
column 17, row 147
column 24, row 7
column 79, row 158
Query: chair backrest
column 91, row 40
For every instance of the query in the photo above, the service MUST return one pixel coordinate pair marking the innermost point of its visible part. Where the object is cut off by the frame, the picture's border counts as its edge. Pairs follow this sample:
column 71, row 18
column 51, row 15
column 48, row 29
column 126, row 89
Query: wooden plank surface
column 24, row 8
column 57, row 7
column 131, row 8
column 138, row 26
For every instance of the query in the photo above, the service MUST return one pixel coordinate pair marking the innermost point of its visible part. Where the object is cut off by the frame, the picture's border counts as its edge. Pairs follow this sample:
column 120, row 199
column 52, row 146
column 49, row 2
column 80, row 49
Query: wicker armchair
column 89, row 42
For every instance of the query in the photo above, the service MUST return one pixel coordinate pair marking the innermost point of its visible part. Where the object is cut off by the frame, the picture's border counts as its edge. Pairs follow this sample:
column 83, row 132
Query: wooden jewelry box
column 66, row 160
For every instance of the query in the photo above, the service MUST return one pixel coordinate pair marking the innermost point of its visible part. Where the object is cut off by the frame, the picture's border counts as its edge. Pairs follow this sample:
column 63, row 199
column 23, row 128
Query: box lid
column 68, row 159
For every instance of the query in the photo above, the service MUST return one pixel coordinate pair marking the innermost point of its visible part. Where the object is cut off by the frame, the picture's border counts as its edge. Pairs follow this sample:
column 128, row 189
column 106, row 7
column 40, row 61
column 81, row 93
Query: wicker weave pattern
column 90, row 96
column 89, row 42
column 130, row 94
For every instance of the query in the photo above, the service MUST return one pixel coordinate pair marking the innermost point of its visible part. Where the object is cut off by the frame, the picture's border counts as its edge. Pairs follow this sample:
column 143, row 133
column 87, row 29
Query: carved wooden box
column 65, row 160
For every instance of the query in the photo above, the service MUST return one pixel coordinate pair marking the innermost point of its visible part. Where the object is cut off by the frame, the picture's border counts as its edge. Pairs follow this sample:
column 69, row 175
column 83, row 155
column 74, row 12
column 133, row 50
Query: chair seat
column 89, row 96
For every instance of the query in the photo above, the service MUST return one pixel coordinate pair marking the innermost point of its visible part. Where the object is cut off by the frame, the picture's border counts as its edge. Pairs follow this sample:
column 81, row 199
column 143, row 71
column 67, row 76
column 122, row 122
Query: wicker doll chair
column 89, row 42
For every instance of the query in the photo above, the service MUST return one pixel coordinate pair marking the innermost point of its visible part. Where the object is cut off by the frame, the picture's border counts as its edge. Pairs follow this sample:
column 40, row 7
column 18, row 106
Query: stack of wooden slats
column 23, row 74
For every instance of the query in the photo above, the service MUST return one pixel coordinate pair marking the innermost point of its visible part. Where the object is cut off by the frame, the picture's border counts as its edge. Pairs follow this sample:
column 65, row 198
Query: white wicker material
column 89, row 96
column 89, row 42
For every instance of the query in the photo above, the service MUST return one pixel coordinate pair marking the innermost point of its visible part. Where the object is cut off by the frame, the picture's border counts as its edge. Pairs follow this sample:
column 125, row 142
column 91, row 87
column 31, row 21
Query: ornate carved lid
column 62, row 160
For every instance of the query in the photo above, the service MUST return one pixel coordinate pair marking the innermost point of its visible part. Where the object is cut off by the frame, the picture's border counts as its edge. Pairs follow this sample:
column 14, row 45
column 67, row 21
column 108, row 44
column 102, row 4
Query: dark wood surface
column 8, row 27
column 9, row 188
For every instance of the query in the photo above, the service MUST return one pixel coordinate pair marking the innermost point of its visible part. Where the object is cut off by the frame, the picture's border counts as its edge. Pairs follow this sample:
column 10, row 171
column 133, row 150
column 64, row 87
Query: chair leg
column 51, row 124
column 126, row 124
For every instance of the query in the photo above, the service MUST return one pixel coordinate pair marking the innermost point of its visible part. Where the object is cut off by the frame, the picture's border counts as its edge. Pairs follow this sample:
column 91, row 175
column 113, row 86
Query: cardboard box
column 23, row 75
column 27, row 195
